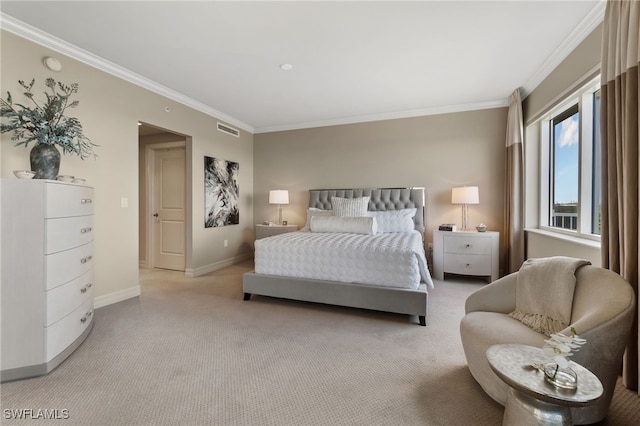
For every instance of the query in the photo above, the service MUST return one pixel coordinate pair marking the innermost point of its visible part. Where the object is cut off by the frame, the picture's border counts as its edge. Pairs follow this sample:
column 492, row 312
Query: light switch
column 124, row 203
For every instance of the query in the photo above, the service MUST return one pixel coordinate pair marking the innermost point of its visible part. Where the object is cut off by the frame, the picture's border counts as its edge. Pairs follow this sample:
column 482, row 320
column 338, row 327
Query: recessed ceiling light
column 286, row 67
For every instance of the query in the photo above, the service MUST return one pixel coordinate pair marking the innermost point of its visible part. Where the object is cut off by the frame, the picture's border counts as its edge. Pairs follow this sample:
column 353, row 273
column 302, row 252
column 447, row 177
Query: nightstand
column 263, row 231
column 466, row 253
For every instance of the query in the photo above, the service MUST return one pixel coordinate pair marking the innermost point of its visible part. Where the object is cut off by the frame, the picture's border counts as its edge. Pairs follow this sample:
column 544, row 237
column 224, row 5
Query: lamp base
column 465, row 217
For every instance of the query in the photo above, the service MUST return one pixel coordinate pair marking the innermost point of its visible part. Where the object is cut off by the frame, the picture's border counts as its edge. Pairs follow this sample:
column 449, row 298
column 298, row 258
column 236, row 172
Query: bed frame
column 387, row 299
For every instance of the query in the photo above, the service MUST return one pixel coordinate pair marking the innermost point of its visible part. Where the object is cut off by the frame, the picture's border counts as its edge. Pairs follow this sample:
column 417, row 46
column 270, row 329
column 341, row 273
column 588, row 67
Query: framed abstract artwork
column 221, row 192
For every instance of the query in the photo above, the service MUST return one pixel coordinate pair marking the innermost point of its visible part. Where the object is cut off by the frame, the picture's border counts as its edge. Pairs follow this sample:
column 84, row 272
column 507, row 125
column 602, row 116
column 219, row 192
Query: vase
column 564, row 378
column 45, row 161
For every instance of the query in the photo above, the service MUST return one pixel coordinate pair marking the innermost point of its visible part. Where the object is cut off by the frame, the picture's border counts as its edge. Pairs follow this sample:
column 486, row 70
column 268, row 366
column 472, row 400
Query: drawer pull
column 86, row 201
column 86, row 259
column 85, row 230
column 86, row 316
column 468, row 246
column 86, row 287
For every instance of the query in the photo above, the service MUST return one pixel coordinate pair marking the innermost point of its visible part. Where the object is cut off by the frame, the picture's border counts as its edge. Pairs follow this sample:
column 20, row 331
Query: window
column 571, row 169
column 565, row 170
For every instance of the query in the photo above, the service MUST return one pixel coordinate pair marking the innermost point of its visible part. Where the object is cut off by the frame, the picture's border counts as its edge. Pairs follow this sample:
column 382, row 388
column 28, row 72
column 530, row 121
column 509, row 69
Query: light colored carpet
column 192, row 352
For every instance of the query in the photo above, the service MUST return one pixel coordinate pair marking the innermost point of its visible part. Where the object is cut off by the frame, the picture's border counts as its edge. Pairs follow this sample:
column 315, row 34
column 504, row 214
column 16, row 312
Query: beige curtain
column 620, row 43
column 513, row 240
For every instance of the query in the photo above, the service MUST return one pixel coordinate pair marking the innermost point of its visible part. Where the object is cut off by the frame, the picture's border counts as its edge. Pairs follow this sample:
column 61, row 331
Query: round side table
column 532, row 400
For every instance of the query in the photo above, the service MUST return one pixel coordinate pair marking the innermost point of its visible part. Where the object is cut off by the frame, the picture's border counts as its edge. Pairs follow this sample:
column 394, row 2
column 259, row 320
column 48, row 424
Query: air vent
column 229, row 130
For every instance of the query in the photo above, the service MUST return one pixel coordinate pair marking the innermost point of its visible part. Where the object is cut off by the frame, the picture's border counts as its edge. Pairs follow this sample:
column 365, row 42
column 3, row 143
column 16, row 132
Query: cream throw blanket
column 544, row 293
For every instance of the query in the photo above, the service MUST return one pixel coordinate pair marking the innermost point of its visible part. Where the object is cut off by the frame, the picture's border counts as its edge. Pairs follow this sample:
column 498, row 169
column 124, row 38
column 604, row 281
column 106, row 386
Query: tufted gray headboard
column 381, row 199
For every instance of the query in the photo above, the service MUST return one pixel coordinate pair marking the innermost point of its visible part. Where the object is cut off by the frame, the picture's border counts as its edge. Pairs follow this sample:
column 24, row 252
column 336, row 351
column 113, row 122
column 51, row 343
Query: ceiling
column 352, row 61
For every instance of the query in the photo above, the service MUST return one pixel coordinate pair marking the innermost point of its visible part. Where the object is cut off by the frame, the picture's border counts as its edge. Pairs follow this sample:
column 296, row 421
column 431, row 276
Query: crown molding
column 42, row 38
column 579, row 33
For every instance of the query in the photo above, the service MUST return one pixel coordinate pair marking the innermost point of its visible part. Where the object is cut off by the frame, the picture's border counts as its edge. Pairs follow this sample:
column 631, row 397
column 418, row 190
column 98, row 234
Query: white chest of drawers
column 466, row 253
column 47, row 274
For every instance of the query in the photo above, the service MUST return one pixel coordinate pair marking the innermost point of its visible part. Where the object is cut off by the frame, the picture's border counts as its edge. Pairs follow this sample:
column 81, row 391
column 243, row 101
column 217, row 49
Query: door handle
column 156, row 215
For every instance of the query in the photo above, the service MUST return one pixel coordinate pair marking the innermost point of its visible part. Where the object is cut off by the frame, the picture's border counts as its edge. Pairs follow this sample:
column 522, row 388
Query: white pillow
column 311, row 212
column 344, row 224
column 350, row 206
column 394, row 220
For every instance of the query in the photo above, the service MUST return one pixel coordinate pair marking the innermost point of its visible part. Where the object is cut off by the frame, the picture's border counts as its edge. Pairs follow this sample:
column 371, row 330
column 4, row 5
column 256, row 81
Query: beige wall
column 109, row 110
column 437, row 152
column 544, row 244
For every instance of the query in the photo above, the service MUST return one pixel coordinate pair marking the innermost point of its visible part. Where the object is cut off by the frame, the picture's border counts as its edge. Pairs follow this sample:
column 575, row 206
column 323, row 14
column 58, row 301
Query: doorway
column 164, row 198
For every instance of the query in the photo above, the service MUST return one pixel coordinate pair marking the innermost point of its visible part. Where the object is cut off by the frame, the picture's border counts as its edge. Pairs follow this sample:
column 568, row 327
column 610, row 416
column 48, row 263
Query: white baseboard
column 116, row 296
column 191, row 273
column 131, row 292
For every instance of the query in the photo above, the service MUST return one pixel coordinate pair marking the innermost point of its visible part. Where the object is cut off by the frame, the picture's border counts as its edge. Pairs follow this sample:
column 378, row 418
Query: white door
column 168, row 212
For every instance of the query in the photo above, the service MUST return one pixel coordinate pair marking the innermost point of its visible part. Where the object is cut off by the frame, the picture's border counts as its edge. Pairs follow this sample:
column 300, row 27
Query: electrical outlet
column 226, row 243
column 124, row 203
column 429, row 246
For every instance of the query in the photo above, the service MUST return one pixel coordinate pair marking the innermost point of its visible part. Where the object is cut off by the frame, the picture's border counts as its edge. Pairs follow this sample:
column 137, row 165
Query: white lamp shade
column 465, row 195
column 279, row 196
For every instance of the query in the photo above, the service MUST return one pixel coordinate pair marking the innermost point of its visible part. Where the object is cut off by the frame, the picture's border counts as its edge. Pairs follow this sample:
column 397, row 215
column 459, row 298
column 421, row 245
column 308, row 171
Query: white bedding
column 390, row 260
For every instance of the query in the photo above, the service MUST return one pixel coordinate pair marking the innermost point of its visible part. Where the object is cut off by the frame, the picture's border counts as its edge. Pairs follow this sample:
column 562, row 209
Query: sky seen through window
column 566, row 150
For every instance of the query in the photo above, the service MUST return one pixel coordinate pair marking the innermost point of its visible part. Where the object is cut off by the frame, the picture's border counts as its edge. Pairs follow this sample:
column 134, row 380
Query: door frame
column 150, row 153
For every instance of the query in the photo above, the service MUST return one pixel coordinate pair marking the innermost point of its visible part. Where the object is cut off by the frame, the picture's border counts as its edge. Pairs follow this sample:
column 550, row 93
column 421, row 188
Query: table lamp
column 465, row 195
column 279, row 197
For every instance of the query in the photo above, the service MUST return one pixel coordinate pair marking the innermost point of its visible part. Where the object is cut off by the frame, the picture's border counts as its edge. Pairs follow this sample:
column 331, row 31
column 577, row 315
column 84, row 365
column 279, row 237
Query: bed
column 393, row 277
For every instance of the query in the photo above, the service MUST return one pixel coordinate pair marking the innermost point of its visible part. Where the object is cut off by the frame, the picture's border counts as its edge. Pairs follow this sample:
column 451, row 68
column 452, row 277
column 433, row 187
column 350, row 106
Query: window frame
column 583, row 97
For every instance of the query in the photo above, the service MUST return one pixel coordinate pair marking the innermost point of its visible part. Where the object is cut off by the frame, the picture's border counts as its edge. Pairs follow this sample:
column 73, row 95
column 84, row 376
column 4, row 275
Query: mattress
column 389, row 260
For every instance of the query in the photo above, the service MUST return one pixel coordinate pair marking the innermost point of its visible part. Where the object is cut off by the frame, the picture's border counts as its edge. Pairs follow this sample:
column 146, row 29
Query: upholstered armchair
column 602, row 312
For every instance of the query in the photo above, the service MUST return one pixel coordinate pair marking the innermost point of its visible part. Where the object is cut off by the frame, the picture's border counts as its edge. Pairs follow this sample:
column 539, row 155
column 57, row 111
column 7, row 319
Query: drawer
column 68, row 200
column 64, row 299
column 67, row 232
column 467, row 245
column 63, row 332
column 467, row 264
column 66, row 265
